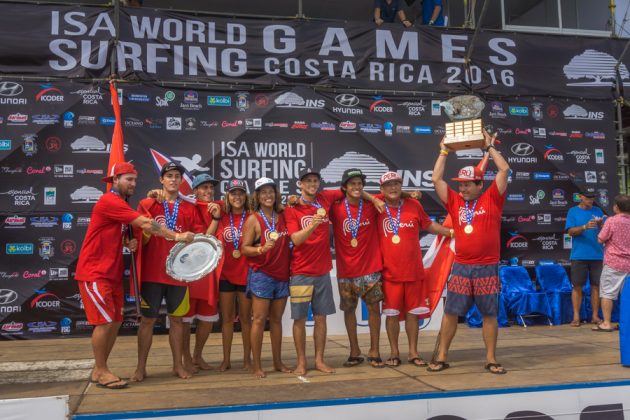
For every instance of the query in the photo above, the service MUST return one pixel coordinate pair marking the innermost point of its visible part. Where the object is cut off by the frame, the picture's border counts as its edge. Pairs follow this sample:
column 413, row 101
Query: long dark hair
column 254, row 203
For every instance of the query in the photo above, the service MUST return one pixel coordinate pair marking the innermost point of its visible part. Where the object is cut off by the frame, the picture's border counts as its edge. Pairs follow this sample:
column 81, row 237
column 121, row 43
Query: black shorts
column 177, row 301
column 227, row 287
column 581, row 268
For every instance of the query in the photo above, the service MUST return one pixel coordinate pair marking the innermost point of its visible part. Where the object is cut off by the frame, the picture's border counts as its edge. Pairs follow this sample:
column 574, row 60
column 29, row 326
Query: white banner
column 48, row 408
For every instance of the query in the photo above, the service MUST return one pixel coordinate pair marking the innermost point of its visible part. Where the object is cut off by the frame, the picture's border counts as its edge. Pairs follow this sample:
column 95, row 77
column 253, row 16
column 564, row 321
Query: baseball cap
column 261, row 182
column 390, row 176
column 169, row 166
column 202, row 179
column 351, row 173
column 119, row 169
column 308, row 171
column 236, row 184
column 469, row 173
column 588, row 192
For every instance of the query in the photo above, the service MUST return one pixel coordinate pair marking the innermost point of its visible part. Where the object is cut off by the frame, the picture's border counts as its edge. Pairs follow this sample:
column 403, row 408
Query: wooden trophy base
column 461, row 135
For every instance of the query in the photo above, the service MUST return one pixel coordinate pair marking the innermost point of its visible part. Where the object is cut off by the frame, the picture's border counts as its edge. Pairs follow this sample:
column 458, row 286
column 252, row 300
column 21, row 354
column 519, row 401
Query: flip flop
column 112, row 384
column 417, row 361
column 353, row 361
column 575, row 323
column 440, row 366
column 376, row 362
column 600, row 329
column 393, row 362
column 489, row 367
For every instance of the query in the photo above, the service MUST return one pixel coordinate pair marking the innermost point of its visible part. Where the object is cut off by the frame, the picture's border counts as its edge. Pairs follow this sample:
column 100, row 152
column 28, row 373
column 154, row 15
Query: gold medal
column 468, row 229
column 274, row 236
column 354, row 243
column 396, row 239
column 236, row 253
column 321, row 212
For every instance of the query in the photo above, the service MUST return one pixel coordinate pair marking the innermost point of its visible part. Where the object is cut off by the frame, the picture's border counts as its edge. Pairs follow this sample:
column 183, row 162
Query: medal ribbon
column 312, row 203
column 272, row 226
column 395, row 226
column 171, row 219
column 470, row 213
column 354, row 227
column 236, row 236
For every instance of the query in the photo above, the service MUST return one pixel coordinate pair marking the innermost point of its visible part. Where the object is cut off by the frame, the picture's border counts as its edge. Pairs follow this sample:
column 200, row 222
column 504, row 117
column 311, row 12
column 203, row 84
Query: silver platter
column 193, row 261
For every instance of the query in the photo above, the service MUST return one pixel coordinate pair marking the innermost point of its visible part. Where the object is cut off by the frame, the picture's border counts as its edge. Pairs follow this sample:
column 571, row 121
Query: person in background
column 615, row 235
column 433, row 12
column 387, row 10
column 583, row 224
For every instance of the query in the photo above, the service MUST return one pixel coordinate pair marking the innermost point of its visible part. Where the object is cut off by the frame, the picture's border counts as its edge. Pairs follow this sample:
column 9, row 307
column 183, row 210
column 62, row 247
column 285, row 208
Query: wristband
column 431, row 22
column 443, row 152
column 451, row 233
column 216, row 218
column 491, row 146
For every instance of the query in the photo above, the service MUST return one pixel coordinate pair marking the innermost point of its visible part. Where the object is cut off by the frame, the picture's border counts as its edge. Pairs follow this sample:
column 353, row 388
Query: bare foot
column 299, row 370
column 182, row 373
column 281, row 368
column 201, row 364
column 323, row 367
column 139, row 375
column 247, row 365
column 260, row 373
column 224, row 366
column 190, row 367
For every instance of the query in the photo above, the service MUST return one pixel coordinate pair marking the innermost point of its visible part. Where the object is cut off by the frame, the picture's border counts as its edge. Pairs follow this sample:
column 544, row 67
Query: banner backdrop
column 269, row 98
column 77, row 42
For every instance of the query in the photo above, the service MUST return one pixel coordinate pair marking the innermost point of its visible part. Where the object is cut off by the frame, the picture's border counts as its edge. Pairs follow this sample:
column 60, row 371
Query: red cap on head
column 390, row 176
column 120, row 169
column 469, row 173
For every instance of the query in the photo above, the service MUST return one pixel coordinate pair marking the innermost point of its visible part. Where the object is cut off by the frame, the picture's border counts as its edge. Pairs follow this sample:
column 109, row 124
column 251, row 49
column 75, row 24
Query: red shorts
column 103, row 301
column 202, row 310
column 405, row 297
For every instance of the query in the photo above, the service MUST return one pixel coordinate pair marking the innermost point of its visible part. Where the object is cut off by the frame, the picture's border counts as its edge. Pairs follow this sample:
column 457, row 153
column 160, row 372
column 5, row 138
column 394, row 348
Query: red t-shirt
column 312, row 257
column 402, row 262
column 202, row 206
column 101, row 256
column 483, row 244
column 200, row 289
column 157, row 249
column 234, row 269
column 366, row 257
column 275, row 262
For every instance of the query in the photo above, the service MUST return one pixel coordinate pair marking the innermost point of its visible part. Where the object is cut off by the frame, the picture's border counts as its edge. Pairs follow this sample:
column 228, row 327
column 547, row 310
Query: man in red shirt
column 359, row 263
column 474, row 277
column 100, row 267
column 399, row 229
column 311, row 262
column 180, row 216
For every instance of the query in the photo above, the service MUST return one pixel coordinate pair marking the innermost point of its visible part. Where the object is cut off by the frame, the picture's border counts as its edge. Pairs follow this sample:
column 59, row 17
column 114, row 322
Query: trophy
column 466, row 129
column 193, row 261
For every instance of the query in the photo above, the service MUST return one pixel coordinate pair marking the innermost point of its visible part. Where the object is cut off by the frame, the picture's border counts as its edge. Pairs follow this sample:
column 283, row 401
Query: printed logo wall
column 55, row 139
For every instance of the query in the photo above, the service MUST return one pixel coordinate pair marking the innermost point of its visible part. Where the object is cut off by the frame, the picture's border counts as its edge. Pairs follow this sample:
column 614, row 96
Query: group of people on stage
column 273, row 252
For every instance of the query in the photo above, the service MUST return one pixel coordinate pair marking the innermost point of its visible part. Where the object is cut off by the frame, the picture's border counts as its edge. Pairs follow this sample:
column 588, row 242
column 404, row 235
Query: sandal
column 115, row 384
column 393, row 362
column 575, row 323
column 353, row 361
column 376, row 362
column 440, row 366
column 417, row 361
column 498, row 369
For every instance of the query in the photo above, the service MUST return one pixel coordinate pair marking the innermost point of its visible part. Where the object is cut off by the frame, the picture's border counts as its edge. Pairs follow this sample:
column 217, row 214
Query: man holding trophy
column 476, row 216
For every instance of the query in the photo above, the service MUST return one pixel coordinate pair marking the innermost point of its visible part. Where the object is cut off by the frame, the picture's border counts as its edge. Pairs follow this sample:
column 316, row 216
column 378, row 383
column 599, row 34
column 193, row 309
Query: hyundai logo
column 7, row 296
column 10, row 89
column 347, row 99
column 522, row 149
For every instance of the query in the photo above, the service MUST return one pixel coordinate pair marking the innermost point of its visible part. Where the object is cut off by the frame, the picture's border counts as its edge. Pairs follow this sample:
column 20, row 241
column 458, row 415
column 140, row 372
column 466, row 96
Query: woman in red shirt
column 266, row 243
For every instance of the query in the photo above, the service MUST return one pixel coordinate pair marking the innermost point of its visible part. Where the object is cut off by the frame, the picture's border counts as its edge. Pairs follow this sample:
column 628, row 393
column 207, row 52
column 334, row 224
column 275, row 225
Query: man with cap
column 399, row 228
column 583, row 224
column 100, row 267
column 203, row 293
column 311, row 261
column 474, row 278
column 359, row 262
column 180, row 216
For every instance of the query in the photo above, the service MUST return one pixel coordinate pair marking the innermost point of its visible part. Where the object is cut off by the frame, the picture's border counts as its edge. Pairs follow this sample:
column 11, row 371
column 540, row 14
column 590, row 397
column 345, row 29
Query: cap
column 119, row 169
column 170, row 166
column 351, row 173
column 588, row 192
column 308, row 171
column 236, row 184
column 261, row 182
column 390, row 176
column 202, row 179
column 469, row 173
